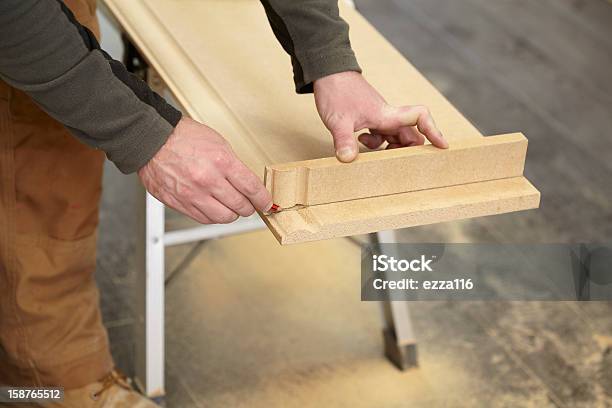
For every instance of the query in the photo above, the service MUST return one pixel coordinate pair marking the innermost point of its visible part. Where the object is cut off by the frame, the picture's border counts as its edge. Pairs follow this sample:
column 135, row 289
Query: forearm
column 58, row 62
column 315, row 36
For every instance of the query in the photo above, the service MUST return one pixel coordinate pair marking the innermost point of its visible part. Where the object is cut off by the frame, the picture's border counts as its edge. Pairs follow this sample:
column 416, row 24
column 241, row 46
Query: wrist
column 342, row 74
column 337, row 77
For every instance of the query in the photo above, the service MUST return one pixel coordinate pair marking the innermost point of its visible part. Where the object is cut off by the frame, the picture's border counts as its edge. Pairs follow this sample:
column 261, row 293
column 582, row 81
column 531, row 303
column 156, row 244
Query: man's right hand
column 197, row 173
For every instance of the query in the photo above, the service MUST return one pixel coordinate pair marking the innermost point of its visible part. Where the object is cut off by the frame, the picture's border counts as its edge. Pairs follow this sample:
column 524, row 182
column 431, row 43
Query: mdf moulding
column 384, row 172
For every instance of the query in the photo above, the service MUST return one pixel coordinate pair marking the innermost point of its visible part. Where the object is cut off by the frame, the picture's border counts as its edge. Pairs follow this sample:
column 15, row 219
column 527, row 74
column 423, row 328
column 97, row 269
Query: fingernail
column 272, row 209
column 445, row 142
column 346, row 154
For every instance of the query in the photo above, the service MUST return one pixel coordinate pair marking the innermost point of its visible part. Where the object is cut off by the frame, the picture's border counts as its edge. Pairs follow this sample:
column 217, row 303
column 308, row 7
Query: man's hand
column 347, row 103
column 197, row 173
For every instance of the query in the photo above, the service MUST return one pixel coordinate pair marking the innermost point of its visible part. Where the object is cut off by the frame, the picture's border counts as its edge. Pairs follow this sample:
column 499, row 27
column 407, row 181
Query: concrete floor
column 251, row 324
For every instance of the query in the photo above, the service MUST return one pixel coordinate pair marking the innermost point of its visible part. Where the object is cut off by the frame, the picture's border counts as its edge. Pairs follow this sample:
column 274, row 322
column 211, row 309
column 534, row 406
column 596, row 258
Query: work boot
column 112, row 391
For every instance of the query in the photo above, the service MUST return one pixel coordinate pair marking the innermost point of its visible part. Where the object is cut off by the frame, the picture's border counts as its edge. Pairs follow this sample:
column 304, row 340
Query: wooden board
column 222, row 63
column 403, row 210
column 384, row 172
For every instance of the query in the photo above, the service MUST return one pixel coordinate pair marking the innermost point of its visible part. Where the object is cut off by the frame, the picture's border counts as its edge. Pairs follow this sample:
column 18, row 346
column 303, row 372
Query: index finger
column 247, row 183
column 418, row 116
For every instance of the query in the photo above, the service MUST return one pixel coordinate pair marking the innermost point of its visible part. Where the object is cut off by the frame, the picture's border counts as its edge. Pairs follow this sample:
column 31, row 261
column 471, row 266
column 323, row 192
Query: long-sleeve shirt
column 45, row 52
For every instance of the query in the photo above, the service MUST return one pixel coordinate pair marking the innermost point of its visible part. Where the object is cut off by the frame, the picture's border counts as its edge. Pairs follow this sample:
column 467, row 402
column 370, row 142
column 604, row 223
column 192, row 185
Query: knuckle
column 227, row 218
column 217, row 220
column 247, row 211
column 210, row 180
column 252, row 186
column 222, row 159
column 205, row 179
column 203, row 220
column 421, row 109
column 377, row 121
column 235, row 202
column 335, row 120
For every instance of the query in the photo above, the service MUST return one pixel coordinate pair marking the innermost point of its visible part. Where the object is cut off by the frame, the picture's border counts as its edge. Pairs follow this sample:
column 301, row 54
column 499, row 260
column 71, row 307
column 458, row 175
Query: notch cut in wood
column 385, row 172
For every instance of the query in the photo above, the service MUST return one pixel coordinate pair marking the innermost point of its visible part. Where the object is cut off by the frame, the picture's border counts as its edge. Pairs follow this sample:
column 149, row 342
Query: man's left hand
column 347, row 103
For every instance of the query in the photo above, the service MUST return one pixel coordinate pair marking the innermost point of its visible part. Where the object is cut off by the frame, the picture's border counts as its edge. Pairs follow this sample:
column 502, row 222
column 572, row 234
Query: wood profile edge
column 377, row 155
column 290, row 183
column 522, row 196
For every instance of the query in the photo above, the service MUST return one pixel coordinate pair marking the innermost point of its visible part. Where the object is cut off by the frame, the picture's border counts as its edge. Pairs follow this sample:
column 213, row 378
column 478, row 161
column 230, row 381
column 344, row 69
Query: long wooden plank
column 231, row 74
column 403, row 210
column 384, row 172
column 239, row 80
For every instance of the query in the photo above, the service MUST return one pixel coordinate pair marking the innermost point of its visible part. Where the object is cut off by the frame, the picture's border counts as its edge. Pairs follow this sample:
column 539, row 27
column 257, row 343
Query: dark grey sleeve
column 45, row 52
column 315, row 36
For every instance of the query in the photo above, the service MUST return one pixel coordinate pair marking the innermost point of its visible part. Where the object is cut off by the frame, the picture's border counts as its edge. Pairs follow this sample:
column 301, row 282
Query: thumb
column 344, row 141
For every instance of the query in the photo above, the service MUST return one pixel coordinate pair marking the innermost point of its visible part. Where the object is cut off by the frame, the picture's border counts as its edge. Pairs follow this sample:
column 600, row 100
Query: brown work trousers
column 51, row 330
